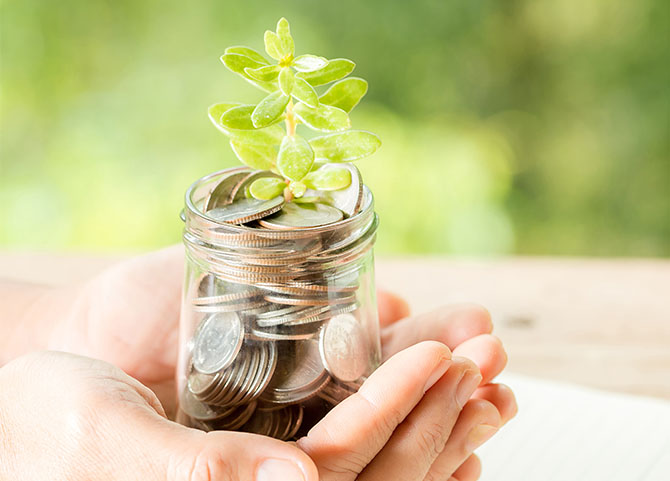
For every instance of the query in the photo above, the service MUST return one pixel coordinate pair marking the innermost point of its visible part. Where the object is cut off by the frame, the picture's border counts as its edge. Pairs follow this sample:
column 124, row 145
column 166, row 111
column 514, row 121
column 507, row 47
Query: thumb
column 186, row 454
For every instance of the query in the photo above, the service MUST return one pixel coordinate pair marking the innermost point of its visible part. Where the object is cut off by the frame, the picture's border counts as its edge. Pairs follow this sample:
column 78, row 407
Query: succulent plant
column 266, row 136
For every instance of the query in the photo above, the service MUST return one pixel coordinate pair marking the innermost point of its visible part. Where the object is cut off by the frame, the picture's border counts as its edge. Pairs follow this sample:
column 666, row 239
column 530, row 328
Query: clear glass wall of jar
column 277, row 326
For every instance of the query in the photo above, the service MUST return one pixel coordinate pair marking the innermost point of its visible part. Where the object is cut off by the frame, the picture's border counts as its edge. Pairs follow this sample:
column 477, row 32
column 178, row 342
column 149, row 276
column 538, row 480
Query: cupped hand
column 65, row 417
column 128, row 316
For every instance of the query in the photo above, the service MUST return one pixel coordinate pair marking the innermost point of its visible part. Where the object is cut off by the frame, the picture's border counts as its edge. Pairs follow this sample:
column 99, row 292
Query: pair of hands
column 64, row 416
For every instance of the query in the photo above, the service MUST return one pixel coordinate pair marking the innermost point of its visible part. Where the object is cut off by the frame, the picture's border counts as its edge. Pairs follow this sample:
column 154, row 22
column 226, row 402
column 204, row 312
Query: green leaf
column 272, row 135
column 286, row 81
column 345, row 94
column 345, row 146
column 273, row 46
column 269, row 109
column 324, row 117
column 267, row 188
column 307, row 200
column 238, row 117
column 335, row 70
column 216, row 111
column 261, row 157
column 264, row 74
column 237, row 63
column 248, row 52
column 305, row 93
column 284, row 34
column 309, row 63
column 295, row 157
column 328, row 179
column 297, row 189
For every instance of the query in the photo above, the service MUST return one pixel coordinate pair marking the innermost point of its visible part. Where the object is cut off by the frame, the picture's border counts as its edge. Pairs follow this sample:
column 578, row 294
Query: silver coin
column 297, row 216
column 290, row 315
column 217, row 343
column 246, row 210
column 224, row 298
column 197, row 409
column 221, row 194
column 344, row 348
column 230, row 307
column 299, row 374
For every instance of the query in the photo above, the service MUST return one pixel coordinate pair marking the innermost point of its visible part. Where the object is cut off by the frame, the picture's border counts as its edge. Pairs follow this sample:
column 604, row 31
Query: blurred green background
column 516, row 126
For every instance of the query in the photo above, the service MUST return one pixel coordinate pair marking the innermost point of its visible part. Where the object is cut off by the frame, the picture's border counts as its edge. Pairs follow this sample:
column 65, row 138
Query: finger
column 478, row 421
column 502, row 397
column 449, row 325
column 350, row 435
column 391, row 307
column 421, row 437
column 487, row 352
column 231, row 456
column 470, row 470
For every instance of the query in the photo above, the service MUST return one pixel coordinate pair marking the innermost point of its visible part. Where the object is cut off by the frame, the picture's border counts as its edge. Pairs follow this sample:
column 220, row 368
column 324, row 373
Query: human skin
column 419, row 416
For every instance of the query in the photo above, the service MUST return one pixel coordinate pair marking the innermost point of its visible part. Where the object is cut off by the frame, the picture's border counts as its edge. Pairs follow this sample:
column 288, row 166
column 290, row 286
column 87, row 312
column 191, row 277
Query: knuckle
column 205, row 464
column 431, row 440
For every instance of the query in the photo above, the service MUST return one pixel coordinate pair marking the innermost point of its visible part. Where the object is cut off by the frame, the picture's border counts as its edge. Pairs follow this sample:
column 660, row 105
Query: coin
column 299, row 375
column 217, row 342
column 246, row 210
column 220, row 195
column 197, row 409
column 297, row 216
column 343, row 347
column 223, row 298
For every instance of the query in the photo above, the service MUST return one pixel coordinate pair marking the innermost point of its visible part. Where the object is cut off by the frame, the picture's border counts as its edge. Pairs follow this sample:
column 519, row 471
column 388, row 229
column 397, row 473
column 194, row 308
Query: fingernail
column 479, row 435
column 467, row 386
column 437, row 373
column 275, row 469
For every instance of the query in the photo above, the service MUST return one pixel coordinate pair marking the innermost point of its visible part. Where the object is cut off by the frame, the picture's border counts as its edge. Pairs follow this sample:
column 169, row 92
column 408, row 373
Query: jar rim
column 196, row 218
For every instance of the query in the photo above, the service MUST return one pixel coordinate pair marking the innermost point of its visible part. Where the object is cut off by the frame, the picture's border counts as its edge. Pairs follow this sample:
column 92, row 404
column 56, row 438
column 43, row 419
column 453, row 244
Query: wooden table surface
column 601, row 323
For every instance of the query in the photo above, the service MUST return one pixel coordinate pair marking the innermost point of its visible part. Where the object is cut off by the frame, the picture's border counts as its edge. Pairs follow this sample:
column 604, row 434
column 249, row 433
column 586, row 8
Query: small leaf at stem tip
column 238, row 117
column 237, row 63
column 309, row 63
column 284, row 34
column 295, row 157
column 335, row 70
column 345, row 146
column 286, row 80
column 248, row 52
column 261, row 157
column 305, row 93
column 345, row 94
column 267, row 188
column 269, row 109
column 273, row 45
column 328, row 179
column 264, row 74
column 324, row 117
column 297, row 189
column 216, row 111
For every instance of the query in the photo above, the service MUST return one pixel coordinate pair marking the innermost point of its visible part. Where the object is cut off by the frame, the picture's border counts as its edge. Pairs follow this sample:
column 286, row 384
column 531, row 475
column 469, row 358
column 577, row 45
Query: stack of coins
column 278, row 333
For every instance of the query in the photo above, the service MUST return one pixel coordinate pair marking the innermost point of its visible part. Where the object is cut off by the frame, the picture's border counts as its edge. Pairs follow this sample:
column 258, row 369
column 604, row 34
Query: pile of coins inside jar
column 277, row 334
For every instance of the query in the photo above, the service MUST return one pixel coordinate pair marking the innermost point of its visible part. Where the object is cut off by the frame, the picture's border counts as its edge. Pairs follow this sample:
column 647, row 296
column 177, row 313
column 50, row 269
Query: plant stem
column 290, row 119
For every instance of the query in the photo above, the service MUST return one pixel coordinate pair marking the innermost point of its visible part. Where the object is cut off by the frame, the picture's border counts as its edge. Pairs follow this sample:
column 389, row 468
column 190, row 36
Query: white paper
column 565, row 432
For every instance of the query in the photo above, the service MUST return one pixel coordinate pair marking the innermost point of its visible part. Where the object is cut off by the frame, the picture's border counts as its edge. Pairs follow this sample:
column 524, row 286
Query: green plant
column 257, row 137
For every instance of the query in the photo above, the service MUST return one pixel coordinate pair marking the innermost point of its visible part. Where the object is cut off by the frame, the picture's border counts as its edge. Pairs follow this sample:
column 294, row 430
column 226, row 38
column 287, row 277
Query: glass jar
column 277, row 326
